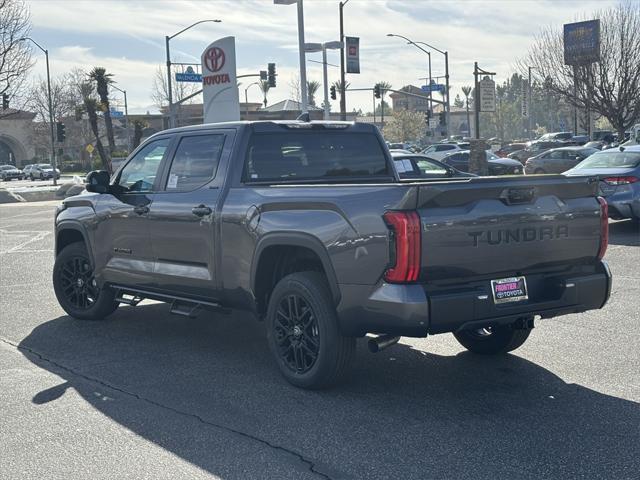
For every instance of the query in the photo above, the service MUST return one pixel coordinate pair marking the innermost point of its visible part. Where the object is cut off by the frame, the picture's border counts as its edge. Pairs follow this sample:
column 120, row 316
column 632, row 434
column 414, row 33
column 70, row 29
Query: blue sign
column 582, row 42
column 189, row 77
column 434, row 87
column 116, row 113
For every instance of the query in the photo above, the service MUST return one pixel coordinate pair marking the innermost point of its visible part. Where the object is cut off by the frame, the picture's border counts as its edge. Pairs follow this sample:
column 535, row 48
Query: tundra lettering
column 527, row 234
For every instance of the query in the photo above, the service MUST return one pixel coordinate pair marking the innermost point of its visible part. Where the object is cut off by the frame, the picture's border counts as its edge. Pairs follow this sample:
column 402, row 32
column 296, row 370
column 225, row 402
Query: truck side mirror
column 98, row 181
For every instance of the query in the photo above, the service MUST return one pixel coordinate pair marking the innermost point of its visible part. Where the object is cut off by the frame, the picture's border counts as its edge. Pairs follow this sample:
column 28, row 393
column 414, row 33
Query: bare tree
column 405, row 125
column 15, row 53
column 179, row 90
column 609, row 87
column 294, row 88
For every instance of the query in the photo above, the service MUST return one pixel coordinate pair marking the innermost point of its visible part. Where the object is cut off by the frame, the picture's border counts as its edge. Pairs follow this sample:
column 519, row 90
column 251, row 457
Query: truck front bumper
column 419, row 310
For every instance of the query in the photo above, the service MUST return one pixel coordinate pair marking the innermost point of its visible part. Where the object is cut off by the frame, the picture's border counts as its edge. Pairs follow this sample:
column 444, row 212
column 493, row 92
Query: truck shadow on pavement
column 207, row 391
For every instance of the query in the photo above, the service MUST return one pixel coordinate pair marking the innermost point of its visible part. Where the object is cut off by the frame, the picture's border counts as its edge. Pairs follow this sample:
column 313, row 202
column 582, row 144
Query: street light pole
column 301, row 51
column 246, row 99
column 53, row 139
column 446, row 76
column 126, row 116
column 323, row 47
column 167, row 38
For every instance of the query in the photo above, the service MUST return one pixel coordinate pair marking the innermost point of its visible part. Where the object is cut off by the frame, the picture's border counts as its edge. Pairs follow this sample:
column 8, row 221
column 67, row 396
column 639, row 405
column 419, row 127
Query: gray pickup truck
column 308, row 226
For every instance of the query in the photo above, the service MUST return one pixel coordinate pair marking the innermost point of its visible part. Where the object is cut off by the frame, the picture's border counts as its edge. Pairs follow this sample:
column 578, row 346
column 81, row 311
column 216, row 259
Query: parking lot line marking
column 39, row 236
column 25, row 214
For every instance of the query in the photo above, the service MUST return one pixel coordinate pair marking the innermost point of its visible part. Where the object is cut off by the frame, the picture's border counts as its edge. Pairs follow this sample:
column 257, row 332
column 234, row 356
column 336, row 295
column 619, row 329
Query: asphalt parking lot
column 151, row 395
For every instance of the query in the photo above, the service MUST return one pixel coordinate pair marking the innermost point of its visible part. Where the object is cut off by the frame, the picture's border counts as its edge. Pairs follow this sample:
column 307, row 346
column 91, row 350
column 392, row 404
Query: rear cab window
column 315, row 155
column 195, row 162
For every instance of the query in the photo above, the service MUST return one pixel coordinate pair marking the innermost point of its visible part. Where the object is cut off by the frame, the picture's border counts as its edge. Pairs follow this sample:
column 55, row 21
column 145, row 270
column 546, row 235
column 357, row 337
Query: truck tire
column 493, row 340
column 76, row 288
column 303, row 333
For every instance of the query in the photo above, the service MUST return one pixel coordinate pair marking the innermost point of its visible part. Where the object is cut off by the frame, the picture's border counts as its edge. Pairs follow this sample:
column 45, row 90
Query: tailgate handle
column 518, row 196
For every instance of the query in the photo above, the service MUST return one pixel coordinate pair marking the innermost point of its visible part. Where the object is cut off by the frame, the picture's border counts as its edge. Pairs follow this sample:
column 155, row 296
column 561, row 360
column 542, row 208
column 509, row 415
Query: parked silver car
column 557, row 160
column 9, row 172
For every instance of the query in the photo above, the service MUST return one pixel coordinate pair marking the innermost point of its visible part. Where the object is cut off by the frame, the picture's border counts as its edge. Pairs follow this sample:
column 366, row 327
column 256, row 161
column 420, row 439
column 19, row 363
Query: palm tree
column 312, row 88
column 264, row 88
column 467, row 90
column 103, row 80
column 91, row 106
column 338, row 86
column 383, row 86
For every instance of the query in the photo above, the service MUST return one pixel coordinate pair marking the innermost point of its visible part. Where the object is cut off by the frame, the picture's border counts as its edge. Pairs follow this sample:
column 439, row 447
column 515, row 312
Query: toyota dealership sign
column 219, row 86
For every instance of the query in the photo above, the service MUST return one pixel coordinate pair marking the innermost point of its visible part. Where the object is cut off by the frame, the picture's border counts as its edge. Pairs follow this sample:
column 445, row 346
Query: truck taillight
column 620, row 180
column 604, row 227
column 405, row 228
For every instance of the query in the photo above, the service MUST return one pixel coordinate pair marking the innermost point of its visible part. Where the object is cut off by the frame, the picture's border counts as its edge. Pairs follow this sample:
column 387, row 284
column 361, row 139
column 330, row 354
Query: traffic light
column 263, row 75
column 443, row 118
column 333, row 92
column 5, row 101
column 271, row 74
column 376, row 90
column 427, row 115
column 60, row 131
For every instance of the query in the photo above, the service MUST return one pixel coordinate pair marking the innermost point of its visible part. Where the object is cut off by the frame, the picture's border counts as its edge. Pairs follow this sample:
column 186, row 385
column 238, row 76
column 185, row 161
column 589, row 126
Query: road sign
column 582, row 42
column 116, row 113
column 433, row 122
column 89, row 149
column 487, row 95
column 434, row 87
column 563, row 125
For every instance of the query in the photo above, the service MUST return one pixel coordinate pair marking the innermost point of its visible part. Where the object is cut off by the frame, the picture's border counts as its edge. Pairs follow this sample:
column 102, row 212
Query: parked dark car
column 557, row 160
column 505, row 150
column 577, row 140
column 10, row 172
column 597, row 144
column 534, row 148
column 497, row 165
column 415, row 166
column 308, row 226
column 618, row 172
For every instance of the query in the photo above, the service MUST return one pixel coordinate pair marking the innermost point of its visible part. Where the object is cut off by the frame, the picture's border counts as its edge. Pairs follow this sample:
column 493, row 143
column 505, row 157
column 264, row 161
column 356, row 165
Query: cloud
column 127, row 37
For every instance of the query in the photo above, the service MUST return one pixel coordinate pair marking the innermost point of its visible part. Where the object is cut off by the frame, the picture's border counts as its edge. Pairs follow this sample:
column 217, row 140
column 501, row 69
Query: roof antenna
column 303, row 117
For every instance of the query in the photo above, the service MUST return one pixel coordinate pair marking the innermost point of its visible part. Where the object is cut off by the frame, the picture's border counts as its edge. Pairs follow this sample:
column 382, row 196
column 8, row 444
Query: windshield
column 611, row 160
column 45, row 165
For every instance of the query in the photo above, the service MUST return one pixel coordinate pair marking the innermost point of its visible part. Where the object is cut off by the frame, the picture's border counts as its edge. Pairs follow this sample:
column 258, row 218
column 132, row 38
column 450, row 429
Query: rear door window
column 195, row 162
column 314, row 155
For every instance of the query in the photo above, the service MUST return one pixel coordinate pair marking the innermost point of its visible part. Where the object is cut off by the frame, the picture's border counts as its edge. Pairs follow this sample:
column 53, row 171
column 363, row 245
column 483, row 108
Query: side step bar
column 183, row 306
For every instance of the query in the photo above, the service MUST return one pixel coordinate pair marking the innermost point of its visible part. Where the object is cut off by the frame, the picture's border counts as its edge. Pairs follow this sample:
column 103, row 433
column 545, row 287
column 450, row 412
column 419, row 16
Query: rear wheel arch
column 280, row 254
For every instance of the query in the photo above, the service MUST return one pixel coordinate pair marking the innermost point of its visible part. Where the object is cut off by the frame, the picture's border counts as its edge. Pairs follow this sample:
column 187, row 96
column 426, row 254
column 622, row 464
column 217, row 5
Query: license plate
column 512, row 289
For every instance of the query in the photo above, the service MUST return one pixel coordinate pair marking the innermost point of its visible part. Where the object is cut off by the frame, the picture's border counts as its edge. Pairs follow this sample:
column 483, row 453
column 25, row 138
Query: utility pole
column 529, row 106
column 343, row 93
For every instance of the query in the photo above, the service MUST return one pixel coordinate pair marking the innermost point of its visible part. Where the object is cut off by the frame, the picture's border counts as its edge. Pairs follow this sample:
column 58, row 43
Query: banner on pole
column 525, row 100
column 353, row 54
column 219, row 84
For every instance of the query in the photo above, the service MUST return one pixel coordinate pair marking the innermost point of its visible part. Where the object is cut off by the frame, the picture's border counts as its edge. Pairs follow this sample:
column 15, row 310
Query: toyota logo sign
column 214, row 59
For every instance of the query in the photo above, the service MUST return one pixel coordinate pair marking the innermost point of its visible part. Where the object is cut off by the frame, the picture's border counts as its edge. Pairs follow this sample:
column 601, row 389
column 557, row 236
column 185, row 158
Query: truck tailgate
column 493, row 227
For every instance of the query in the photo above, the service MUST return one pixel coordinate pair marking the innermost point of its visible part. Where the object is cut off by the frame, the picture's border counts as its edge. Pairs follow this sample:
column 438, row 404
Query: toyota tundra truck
column 308, row 226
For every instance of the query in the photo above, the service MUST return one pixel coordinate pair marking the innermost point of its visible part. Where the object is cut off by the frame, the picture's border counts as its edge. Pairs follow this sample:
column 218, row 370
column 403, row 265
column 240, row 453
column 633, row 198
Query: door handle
column 141, row 209
column 201, row 210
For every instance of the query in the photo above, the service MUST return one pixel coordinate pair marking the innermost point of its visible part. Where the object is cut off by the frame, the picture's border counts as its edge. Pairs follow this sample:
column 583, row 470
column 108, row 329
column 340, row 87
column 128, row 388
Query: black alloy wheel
column 76, row 288
column 78, row 284
column 296, row 333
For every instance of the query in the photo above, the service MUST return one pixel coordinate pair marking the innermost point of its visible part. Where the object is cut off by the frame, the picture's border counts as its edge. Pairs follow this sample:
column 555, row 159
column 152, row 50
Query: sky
column 127, row 38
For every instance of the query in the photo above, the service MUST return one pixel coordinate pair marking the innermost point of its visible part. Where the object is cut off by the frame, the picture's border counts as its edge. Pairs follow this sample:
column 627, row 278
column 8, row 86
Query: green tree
column 103, row 80
column 384, row 87
column 458, row 102
column 264, row 88
column 91, row 107
column 312, row 88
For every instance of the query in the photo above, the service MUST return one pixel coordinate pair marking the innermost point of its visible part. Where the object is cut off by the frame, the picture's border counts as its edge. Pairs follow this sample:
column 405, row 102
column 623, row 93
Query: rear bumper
column 421, row 310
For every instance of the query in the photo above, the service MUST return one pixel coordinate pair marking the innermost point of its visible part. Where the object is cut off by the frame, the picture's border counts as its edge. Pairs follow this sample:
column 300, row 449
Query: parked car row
column 10, row 172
